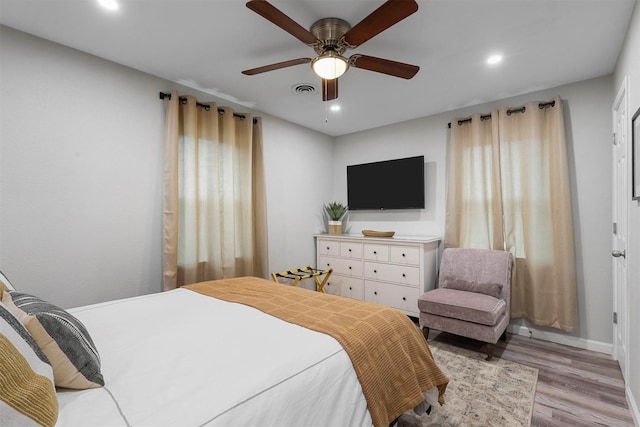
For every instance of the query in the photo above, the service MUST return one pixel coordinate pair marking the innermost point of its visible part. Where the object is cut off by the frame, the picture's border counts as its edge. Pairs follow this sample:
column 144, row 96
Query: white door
column 621, row 200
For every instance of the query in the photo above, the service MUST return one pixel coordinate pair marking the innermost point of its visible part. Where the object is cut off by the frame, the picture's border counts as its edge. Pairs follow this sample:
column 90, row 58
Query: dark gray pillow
column 62, row 338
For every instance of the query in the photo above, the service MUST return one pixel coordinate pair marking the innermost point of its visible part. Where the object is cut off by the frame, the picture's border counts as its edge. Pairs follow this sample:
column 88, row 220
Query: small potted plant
column 335, row 212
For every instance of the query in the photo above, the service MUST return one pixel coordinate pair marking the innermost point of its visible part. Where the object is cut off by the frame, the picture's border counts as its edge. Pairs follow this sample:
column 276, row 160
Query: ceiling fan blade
column 390, row 13
column 271, row 13
column 276, row 66
column 329, row 89
column 385, row 66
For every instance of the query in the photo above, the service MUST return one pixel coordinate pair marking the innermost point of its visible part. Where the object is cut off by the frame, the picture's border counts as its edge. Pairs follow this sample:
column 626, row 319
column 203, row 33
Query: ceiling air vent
column 304, row 89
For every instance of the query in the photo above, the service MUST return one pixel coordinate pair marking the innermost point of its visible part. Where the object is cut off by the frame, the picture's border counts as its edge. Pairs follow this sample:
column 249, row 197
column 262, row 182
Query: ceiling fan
column 331, row 37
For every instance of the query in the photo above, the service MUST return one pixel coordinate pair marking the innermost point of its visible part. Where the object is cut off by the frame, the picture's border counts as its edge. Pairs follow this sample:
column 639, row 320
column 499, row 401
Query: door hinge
column 614, row 138
column 615, row 318
column 615, row 228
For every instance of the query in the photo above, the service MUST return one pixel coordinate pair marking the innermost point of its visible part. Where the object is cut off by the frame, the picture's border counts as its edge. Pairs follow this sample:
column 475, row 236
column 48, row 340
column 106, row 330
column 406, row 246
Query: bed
column 250, row 352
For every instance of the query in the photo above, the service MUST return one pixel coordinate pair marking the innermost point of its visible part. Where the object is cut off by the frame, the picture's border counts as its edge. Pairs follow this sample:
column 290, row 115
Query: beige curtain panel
column 508, row 188
column 214, row 213
column 474, row 201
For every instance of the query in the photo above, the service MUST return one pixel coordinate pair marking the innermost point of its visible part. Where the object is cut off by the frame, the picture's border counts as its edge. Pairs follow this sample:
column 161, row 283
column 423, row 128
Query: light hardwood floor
column 575, row 387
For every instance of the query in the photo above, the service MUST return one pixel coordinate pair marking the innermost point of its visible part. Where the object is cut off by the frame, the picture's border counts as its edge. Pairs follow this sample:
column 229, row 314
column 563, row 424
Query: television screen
column 390, row 184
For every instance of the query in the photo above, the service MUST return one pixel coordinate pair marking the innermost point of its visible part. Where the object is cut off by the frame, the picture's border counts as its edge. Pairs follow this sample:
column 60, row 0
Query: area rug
column 480, row 393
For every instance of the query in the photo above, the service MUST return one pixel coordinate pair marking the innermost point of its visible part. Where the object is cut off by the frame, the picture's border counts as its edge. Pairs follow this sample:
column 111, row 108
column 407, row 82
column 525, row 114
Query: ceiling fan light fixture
column 329, row 66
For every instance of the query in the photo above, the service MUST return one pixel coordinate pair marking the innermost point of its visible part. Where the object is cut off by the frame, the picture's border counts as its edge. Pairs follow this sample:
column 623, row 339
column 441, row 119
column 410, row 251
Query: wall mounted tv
column 390, row 184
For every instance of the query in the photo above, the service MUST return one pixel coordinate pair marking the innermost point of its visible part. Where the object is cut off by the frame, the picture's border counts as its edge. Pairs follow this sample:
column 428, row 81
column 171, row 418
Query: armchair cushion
column 491, row 289
column 468, row 306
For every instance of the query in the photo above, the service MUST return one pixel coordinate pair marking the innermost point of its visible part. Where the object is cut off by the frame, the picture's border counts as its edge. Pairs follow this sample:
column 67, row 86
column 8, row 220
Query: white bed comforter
column 179, row 358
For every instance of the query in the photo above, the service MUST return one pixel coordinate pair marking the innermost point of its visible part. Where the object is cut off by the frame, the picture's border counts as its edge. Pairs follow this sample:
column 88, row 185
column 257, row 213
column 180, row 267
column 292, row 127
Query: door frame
column 620, row 288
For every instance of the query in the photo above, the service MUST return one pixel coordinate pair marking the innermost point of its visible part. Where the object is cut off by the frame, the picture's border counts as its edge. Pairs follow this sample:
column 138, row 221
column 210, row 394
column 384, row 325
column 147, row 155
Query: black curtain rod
column 205, row 106
column 509, row 112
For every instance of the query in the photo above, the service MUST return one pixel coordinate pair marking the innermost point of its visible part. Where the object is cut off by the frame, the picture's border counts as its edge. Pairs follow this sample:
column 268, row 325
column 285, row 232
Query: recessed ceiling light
column 335, row 107
column 494, row 59
column 109, row 4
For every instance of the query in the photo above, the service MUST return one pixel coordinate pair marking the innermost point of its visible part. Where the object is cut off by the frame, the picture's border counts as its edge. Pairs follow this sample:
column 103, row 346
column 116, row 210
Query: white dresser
column 392, row 271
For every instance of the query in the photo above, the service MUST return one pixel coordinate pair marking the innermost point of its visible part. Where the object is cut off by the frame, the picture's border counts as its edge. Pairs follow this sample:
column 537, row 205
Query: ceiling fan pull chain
column 326, row 104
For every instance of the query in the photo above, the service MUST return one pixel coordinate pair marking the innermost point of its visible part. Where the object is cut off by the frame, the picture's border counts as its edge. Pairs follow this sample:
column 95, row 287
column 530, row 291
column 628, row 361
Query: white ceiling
column 205, row 44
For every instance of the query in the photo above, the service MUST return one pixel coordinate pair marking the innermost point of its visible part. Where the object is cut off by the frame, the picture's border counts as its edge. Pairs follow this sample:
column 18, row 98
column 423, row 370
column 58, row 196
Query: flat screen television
column 389, row 184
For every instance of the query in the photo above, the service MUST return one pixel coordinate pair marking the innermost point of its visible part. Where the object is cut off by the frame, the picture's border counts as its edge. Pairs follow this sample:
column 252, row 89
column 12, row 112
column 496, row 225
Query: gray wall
column 588, row 117
column 81, row 175
column 80, row 170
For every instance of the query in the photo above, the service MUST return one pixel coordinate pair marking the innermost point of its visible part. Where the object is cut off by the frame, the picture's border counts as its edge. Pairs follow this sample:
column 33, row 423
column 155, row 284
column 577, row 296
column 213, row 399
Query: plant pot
column 335, row 227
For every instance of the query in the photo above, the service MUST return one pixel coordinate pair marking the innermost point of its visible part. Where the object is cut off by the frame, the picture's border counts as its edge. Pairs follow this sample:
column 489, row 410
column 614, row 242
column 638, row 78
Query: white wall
column 298, row 168
column 80, row 173
column 588, row 115
column 629, row 65
column 81, row 169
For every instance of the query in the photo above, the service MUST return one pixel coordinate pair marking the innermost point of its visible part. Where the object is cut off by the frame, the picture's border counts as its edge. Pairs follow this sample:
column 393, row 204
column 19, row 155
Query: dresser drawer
column 405, row 255
column 349, row 287
column 401, row 297
column 376, row 252
column 351, row 250
column 346, row 267
column 329, row 247
column 402, row 274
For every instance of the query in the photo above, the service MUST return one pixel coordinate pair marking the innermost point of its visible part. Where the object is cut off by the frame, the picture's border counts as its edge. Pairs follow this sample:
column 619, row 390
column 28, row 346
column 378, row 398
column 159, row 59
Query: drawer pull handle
column 328, row 248
column 375, row 252
column 375, row 293
column 349, row 250
column 349, row 267
column 375, row 271
column 350, row 288
column 404, row 275
column 404, row 298
column 403, row 255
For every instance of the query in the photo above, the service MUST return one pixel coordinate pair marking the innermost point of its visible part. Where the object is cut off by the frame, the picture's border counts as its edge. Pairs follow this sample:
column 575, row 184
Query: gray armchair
column 473, row 296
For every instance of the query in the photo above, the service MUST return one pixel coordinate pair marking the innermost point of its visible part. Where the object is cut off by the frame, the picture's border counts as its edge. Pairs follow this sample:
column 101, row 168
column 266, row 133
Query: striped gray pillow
column 61, row 337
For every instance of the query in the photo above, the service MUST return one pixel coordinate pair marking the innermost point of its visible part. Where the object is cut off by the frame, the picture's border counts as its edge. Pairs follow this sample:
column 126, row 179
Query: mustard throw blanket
column 389, row 354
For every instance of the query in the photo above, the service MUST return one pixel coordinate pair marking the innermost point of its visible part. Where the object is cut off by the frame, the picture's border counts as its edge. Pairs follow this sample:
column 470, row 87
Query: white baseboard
column 633, row 406
column 557, row 338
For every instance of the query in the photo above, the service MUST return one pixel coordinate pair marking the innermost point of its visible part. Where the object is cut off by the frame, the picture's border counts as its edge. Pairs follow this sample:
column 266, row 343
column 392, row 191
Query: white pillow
column 5, row 283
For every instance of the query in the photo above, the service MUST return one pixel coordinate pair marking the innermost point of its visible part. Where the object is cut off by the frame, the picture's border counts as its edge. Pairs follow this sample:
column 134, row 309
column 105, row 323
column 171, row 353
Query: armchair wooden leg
column 489, row 351
column 503, row 337
column 425, row 332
